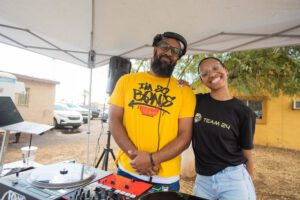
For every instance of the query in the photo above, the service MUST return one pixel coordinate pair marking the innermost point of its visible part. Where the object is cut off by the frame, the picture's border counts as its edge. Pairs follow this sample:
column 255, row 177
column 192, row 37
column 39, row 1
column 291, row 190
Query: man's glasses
column 215, row 68
column 166, row 47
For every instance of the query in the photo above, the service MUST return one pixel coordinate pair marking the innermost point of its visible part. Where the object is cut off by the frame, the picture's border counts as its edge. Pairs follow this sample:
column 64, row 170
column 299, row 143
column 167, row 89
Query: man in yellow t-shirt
column 151, row 117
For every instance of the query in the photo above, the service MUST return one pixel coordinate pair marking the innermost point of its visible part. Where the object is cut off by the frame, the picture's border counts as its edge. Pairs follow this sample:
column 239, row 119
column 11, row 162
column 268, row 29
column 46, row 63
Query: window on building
column 258, row 105
column 23, row 99
column 296, row 104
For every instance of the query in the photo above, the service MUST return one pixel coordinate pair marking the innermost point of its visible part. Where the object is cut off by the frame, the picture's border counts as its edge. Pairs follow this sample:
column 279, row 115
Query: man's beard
column 161, row 68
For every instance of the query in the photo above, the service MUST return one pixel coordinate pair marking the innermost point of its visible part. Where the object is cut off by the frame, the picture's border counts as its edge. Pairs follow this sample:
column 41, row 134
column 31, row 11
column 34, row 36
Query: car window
column 60, row 107
column 73, row 106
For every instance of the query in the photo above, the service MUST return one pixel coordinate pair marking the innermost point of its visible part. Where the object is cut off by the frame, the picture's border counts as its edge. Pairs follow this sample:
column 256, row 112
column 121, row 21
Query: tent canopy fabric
column 69, row 29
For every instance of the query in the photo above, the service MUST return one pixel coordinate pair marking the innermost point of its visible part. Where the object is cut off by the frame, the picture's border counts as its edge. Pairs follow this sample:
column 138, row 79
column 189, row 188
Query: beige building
column 38, row 102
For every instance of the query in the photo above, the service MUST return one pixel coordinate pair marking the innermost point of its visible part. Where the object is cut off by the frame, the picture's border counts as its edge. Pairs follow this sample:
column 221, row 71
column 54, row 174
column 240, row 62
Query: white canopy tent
column 89, row 32
column 69, row 29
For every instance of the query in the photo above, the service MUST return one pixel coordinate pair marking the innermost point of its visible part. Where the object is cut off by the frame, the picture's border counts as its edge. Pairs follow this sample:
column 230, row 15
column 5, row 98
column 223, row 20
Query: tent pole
column 91, row 66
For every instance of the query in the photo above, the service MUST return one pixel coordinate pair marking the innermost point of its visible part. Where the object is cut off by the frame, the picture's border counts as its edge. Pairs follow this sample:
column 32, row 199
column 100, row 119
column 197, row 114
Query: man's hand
column 141, row 163
column 149, row 172
column 182, row 83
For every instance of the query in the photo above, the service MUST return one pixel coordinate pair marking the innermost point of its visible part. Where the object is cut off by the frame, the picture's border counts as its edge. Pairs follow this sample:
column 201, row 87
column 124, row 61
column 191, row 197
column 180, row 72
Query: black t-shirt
column 221, row 129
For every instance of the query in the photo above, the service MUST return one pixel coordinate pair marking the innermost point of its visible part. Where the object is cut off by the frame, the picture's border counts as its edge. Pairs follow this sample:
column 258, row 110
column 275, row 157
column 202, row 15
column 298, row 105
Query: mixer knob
column 127, row 186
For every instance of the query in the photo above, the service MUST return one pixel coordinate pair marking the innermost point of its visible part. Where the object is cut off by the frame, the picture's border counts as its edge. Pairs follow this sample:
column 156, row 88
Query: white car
column 84, row 112
column 63, row 116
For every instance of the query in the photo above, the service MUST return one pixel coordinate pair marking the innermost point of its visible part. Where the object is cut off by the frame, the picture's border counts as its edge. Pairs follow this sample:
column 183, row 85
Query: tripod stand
column 105, row 154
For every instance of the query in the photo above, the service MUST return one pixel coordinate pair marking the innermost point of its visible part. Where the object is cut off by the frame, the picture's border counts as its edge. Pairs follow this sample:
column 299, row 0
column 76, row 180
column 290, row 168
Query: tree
column 84, row 93
column 263, row 72
column 140, row 65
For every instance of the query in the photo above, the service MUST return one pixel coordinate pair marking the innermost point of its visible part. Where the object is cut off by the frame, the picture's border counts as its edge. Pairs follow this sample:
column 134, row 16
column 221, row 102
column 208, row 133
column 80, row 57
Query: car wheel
column 76, row 127
column 56, row 125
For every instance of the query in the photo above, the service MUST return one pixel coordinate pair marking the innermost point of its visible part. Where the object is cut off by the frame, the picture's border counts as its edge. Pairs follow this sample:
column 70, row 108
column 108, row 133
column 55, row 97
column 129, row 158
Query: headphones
column 173, row 35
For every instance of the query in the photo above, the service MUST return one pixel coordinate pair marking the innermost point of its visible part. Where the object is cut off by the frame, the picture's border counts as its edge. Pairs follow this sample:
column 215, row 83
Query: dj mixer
column 73, row 181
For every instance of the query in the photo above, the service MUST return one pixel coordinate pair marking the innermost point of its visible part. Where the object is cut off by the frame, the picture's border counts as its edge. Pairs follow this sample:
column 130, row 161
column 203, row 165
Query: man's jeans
column 171, row 187
column 232, row 183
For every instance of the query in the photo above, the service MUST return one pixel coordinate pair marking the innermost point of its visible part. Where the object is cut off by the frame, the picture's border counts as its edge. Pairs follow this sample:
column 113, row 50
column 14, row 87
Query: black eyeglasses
column 166, row 47
column 215, row 68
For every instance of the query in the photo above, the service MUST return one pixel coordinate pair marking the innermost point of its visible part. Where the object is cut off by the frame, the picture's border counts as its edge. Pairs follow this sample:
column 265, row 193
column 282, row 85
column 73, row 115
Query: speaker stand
column 105, row 154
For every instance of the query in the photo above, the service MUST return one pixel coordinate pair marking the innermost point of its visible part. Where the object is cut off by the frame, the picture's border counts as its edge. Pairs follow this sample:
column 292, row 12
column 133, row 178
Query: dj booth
column 73, row 181
column 66, row 180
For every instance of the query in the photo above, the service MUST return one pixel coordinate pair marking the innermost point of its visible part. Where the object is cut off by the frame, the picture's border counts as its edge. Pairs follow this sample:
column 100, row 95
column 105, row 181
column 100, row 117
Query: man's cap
column 173, row 35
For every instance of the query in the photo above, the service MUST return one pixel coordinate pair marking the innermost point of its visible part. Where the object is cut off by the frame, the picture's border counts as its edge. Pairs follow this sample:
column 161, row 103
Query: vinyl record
column 61, row 175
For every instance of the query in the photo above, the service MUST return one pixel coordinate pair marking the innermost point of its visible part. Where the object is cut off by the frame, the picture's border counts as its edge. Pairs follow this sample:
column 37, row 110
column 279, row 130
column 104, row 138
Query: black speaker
column 118, row 66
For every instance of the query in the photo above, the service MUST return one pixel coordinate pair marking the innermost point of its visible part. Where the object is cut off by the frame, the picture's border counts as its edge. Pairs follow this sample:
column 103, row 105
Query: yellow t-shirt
column 143, row 96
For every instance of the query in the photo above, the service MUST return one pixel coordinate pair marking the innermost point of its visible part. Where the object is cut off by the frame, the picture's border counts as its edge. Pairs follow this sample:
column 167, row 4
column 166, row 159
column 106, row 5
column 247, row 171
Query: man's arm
column 178, row 145
column 250, row 162
column 118, row 131
column 171, row 150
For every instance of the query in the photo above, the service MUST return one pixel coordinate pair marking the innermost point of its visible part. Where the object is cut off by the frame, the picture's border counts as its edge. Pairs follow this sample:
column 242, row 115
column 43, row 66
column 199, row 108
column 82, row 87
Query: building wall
column 41, row 102
column 282, row 126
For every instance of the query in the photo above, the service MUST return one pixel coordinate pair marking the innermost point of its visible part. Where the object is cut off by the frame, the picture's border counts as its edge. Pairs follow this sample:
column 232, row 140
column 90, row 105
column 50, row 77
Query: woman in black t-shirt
column 222, row 140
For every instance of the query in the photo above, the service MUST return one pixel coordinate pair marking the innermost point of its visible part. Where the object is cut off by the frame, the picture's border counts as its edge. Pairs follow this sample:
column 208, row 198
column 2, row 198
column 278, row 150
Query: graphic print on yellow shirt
column 150, row 100
column 143, row 97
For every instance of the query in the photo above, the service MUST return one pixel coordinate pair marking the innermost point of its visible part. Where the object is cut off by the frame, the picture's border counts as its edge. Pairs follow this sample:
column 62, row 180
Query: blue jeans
column 172, row 187
column 232, row 183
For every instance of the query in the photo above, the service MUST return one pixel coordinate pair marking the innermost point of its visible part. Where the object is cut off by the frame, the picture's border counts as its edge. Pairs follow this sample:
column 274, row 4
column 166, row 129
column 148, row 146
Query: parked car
column 103, row 115
column 95, row 112
column 63, row 116
column 84, row 112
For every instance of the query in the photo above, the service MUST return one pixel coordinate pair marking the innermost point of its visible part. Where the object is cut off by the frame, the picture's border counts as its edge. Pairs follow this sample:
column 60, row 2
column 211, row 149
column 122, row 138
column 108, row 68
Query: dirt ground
column 277, row 170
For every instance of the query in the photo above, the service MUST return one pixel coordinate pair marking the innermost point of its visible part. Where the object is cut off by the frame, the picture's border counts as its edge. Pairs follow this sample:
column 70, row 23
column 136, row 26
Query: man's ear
column 154, row 50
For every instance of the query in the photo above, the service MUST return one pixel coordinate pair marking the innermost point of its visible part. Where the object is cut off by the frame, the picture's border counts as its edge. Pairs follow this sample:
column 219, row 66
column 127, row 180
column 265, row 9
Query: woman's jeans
column 232, row 183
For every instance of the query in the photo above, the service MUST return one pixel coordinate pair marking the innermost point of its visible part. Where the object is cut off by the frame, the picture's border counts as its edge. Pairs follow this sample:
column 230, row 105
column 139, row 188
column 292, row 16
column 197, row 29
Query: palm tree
column 84, row 93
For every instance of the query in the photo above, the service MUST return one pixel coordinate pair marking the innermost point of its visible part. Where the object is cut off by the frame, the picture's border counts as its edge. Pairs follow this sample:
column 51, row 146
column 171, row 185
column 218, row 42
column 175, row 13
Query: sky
column 73, row 78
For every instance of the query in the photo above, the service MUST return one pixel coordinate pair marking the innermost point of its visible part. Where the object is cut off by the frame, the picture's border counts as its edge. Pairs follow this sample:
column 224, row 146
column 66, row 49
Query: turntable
column 62, row 175
column 50, row 181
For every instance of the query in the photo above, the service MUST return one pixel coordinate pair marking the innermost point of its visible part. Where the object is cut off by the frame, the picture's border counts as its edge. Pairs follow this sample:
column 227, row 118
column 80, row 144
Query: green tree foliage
column 263, row 72
column 140, row 65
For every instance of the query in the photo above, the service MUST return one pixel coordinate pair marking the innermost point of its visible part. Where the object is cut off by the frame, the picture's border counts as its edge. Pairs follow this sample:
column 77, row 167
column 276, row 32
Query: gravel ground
column 277, row 170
